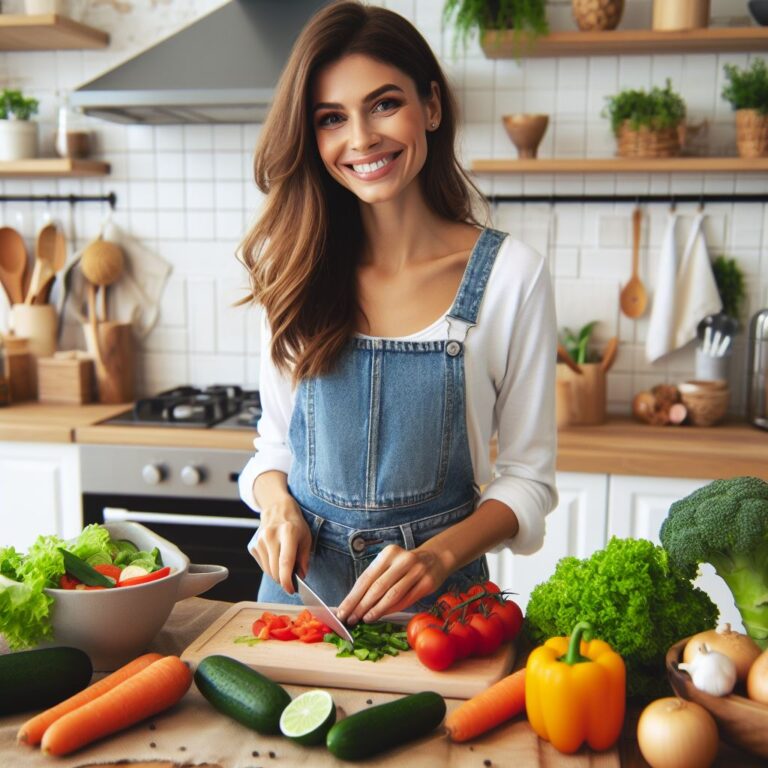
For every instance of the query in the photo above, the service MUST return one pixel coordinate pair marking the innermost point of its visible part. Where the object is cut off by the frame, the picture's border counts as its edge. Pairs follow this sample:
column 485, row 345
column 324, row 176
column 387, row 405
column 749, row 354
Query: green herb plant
column 655, row 109
column 730, row 285
column 577, row 343
column 747, row 88
column 524, row 16
column 14, row 106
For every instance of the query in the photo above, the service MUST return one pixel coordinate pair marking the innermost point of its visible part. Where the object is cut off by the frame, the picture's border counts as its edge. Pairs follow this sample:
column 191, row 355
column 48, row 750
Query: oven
column 186, row 494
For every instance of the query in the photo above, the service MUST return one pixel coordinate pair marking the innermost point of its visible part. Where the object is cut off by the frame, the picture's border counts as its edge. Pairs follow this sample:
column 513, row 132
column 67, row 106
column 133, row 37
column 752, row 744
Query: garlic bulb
column 711, row 671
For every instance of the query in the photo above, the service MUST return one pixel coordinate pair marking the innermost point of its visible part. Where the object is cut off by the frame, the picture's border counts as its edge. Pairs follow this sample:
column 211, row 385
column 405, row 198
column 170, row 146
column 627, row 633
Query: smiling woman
column 400, row 334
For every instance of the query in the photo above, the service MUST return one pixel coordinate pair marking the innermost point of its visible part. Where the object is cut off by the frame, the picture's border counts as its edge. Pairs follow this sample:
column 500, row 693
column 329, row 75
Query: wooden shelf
column 624, row 165
column 52, row 167
column 47, row 32
column 504, row 45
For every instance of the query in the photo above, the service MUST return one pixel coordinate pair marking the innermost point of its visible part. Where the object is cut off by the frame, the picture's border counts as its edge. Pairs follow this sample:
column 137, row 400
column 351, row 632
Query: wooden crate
column 65, row 378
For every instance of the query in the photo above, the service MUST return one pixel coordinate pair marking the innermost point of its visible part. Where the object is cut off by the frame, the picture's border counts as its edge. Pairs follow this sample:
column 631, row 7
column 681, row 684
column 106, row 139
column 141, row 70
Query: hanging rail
column 701, row 200
column 111, row 198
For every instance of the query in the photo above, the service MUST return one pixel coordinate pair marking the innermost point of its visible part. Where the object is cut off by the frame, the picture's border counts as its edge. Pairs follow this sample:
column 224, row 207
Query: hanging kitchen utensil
column 45, row 252
column 633, row 298
column 609, row 356
column 13, row 263
column 101, row 264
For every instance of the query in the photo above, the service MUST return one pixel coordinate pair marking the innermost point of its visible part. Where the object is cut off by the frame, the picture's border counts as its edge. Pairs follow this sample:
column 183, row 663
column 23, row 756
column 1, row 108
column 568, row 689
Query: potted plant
column 730, row 281
column 525, row 17
column 747, row 92
column 18, row 134
column 647, row 124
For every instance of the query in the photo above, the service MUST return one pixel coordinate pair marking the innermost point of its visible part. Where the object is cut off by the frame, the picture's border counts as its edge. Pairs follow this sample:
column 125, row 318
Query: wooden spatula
column 634, row 299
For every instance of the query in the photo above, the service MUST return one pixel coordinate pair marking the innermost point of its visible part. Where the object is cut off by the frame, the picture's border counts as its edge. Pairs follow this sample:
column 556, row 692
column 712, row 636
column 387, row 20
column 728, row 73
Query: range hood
column 222, row 68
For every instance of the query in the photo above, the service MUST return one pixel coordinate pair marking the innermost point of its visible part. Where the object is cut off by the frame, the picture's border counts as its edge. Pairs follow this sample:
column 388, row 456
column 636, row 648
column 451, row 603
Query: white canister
column 18, row 139
column 38, row 323
column 671, row 15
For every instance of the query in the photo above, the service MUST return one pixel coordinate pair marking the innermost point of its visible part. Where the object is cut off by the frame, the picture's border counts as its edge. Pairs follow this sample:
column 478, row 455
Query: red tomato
column 418, row 622
column 465, row 638
column 489, row 586
column 159, row 574
column 491, row 632
column 110, row 571
column 435, row 649
column 67, row 582
column 446, row 603
column 511, row 617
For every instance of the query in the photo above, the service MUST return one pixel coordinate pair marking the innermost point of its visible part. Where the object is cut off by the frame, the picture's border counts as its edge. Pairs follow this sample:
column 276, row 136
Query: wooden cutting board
column 316, row 664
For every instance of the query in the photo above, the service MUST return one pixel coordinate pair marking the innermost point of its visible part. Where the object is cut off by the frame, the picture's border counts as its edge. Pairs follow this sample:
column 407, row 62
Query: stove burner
column 195, row 407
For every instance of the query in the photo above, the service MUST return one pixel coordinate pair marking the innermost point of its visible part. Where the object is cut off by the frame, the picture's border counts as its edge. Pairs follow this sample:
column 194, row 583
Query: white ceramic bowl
column 114, row 626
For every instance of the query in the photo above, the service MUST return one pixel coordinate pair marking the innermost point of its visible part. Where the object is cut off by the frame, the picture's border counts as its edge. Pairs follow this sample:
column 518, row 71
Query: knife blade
column 319, row 609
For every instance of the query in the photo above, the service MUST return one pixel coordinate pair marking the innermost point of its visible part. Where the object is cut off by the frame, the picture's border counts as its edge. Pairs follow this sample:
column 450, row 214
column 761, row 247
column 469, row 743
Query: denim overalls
column 380, row 448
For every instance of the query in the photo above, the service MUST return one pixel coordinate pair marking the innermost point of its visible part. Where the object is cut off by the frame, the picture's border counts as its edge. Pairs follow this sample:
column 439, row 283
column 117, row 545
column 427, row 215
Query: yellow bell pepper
column 575, row 691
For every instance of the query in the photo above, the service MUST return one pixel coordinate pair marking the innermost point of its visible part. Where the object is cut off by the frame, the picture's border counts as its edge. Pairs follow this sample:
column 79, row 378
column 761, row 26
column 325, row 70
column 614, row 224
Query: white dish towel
column 697, row 294
column 661, row 327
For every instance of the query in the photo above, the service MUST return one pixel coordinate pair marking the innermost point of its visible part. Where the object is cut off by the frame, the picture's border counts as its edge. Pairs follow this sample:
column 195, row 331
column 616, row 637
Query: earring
column 433, row 125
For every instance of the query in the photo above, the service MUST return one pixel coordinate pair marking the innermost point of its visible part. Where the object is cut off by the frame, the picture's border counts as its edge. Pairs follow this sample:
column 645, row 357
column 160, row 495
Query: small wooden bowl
column 741, row 721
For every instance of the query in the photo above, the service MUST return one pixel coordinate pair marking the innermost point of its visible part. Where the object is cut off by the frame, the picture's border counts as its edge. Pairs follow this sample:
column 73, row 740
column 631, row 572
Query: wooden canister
column 671, row 15
column 38, row 323
column 586, row 394
column 19, row 370
column 115, row 356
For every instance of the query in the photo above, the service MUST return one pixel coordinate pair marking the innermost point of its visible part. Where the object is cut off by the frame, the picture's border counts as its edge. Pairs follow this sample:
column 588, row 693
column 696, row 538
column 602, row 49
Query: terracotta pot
column 526, row 132
column 597, row 14
column 673, row 15
column 751, row 133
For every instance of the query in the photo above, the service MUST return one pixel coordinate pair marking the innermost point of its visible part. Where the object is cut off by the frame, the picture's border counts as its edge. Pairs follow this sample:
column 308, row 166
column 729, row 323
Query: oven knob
column 153, row 474
column 191, row 475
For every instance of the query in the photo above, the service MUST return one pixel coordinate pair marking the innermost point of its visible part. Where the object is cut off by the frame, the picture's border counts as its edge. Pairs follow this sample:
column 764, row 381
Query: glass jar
column 72, row 138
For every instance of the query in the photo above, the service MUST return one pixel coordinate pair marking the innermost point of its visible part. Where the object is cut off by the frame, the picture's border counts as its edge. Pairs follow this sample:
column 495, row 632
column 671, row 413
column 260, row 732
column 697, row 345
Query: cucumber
column 242, row 693
column 386, row 726
column 42, row 677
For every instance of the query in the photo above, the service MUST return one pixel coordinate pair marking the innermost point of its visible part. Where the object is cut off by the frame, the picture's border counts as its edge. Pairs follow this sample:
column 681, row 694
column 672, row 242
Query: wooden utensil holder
column 586, row 394
column 114, row 353
column 19, row 370
column 38, row 324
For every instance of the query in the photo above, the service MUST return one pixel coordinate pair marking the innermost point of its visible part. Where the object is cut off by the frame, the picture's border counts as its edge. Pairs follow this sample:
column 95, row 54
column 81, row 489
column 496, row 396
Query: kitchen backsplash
column 186, row 191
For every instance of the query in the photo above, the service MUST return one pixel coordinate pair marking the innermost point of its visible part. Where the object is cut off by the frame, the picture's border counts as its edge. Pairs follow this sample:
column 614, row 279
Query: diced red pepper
column 110, row 571
column 315, row 636
column 68, row 582
column 282, row 633
column 154, row 576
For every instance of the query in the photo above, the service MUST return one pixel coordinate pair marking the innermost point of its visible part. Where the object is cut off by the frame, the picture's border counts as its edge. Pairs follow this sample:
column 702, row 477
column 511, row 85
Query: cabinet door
column 576, row 527
column 637, row 507
column 39, row 492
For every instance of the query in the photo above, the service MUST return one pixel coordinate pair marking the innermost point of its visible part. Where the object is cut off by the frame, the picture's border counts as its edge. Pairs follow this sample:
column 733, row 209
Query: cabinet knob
column 153, row 474
column 191, row 475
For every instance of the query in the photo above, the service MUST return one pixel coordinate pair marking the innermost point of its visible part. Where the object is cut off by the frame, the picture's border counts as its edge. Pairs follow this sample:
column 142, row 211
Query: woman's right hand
column 284, row 541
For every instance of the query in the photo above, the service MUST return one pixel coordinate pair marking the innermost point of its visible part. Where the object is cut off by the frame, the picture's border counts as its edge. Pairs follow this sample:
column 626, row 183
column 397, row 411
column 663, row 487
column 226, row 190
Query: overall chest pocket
column 380, row 428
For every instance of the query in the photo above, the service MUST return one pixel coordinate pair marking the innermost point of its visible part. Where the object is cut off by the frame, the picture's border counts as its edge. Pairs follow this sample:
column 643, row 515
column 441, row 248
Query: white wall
column 186, row 190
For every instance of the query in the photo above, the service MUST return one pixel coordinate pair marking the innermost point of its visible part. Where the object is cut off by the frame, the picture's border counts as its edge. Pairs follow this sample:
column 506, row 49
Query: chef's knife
column 319, row 609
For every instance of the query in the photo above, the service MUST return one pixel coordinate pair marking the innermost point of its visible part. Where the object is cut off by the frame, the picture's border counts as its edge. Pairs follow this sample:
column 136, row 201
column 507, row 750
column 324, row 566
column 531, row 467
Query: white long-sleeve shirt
column 510, row 392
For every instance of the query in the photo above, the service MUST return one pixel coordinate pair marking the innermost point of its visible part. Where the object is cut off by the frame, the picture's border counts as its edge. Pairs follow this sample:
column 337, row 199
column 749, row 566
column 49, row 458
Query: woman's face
column 371, row 126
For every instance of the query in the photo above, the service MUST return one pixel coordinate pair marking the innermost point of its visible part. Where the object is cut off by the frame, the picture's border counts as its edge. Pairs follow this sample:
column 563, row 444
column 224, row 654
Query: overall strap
column 472, row 289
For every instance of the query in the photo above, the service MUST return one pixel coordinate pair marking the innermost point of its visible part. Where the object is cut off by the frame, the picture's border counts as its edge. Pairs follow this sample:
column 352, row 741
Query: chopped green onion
column 371, row 641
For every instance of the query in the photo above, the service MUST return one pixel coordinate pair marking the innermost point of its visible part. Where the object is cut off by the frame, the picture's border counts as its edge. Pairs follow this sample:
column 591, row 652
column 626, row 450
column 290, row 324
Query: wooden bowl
column 741, row 721
column 526, row 132
column 706, row 401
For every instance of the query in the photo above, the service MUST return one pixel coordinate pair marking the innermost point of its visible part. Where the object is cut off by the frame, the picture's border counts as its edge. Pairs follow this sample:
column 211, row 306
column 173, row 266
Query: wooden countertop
column 621, row 446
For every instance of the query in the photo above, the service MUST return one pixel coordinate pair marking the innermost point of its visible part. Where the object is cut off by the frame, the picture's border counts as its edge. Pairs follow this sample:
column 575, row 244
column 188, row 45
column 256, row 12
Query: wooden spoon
column 102, row 264
column 611, row 348
column 13, row 262
column 45, row 252
column 564, row 357
column 57, row 263
column 633, row 298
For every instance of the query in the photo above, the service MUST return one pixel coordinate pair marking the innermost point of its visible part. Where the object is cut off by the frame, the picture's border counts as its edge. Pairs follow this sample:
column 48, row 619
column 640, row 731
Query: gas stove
column 215, row 407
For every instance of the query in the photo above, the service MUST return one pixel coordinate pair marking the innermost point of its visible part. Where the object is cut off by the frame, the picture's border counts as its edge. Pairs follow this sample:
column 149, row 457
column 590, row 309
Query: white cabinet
column 39, row 492
column 637, row 507
column 576, row 527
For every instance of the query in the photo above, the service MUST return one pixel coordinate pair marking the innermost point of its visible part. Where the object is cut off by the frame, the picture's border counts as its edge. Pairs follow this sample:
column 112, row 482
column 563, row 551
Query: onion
column 673, row 733
column 757, row 680
column 741, row 649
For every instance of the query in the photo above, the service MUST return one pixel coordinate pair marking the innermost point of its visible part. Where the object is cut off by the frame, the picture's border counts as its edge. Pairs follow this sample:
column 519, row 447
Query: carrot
column 493, row 706
column 32, row 731
column 153, row 689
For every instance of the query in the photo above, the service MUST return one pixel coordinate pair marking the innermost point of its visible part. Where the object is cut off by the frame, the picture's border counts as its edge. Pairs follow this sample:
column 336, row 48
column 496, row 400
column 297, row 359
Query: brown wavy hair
column 303, row 250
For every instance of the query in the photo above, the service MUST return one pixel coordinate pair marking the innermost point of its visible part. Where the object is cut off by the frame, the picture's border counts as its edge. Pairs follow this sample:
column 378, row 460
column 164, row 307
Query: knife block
column 67, row 377
column 114, row 353
column 585, row 394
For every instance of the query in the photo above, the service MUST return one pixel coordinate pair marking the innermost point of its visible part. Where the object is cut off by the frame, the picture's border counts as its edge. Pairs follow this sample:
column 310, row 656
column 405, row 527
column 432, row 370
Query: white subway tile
column 228, row 138
column 169, row 138
column 198, row 138
column 171, row 225
column 199, row 225
column 171, row 194
column 170, row 165
column 199, row 165
column 208, row 370
column 201, row 303
column 199, row 195
column 231, row 166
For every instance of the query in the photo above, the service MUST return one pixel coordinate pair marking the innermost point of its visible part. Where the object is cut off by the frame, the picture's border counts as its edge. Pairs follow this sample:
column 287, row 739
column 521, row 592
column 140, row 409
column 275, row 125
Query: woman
column 400, row 335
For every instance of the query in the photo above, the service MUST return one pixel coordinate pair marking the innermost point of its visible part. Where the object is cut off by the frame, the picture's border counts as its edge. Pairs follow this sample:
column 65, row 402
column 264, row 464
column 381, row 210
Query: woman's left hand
column 395, row 580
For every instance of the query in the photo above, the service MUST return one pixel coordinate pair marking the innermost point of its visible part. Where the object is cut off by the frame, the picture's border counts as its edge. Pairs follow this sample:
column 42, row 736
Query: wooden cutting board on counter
column 316, row 664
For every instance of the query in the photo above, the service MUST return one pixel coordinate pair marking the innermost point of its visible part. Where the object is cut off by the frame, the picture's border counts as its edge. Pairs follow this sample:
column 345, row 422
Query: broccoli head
column 635, row 601
column 725, row 524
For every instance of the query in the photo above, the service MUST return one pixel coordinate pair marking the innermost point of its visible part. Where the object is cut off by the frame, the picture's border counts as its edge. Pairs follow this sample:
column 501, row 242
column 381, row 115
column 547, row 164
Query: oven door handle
column 117, row 514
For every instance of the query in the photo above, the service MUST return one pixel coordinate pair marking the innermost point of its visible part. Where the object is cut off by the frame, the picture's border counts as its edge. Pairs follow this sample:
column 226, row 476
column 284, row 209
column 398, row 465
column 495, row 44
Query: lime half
column 309, row 717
